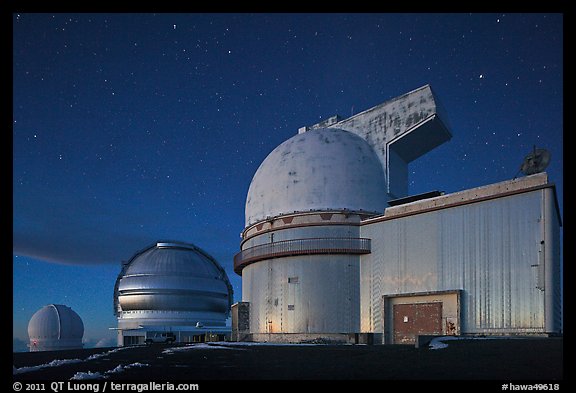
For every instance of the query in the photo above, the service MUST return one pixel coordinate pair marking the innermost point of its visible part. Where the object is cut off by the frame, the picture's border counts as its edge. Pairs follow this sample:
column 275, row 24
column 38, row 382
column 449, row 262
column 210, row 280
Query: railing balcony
column 285, row 248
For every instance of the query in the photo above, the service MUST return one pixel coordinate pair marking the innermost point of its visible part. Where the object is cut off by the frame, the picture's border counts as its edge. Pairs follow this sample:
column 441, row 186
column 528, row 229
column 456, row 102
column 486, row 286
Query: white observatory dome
column 322, row 169
column 55, row 327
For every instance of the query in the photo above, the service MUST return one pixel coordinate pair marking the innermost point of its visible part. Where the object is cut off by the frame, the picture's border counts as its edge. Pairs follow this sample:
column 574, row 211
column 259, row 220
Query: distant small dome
column 322, row 169
column 54, row 327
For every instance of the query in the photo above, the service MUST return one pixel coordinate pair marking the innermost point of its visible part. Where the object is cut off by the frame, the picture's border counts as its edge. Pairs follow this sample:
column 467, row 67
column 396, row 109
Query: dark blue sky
column 129, row 128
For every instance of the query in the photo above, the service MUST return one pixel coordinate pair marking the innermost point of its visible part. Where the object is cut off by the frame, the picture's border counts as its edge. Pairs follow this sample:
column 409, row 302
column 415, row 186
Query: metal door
column 414, row 319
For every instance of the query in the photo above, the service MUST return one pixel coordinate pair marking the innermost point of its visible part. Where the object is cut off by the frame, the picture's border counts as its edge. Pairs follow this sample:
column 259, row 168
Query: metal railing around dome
column 284, row 248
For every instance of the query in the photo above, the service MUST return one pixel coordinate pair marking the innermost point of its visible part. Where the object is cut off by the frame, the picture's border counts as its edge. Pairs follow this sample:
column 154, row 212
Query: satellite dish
column 535, row 162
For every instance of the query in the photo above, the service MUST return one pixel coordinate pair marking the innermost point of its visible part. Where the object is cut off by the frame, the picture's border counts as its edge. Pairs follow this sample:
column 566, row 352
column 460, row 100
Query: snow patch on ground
column 58, row 362
column 234, row 345
column 195, row 346
column 99, row 355
column 120, row 368
column 116, row 370
column 438, row 342
column 252, row 343
column 80, row 375
column 53, row 363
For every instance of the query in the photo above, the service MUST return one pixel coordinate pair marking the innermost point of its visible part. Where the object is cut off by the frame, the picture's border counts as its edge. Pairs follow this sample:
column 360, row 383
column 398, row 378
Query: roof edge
column 496, row 190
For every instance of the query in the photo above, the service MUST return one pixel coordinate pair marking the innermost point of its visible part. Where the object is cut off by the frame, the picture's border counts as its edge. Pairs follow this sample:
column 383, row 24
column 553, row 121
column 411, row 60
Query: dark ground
column 536, row 359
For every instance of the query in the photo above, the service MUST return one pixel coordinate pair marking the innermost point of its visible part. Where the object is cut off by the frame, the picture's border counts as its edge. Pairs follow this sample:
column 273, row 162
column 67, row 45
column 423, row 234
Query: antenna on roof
column 535, row 162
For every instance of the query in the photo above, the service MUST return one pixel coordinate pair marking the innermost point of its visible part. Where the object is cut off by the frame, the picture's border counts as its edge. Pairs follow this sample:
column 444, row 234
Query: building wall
column 301, row 220
column 240, row 321
column 551, row 253
column 303, row 294
column 312, row 232
column 491, row 250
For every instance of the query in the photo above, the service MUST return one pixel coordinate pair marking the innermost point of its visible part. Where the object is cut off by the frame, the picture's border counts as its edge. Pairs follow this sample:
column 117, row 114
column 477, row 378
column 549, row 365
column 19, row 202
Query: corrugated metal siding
column 324, row 298
column 489, row 249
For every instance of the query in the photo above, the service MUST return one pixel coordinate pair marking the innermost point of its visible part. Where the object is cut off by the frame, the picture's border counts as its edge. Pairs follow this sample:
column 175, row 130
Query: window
column 292, row 280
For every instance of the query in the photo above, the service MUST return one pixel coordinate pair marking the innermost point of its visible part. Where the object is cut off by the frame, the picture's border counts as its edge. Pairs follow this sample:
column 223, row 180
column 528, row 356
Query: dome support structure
column 399, row 130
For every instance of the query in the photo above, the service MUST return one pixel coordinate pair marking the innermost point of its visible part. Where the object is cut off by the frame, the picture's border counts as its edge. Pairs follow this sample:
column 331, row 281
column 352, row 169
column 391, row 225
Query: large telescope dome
column 173, row 276
column 171, row 290
column 321, row 169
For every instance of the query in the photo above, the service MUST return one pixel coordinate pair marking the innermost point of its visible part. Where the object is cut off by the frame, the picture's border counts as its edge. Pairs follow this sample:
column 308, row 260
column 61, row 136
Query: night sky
column 131, row 128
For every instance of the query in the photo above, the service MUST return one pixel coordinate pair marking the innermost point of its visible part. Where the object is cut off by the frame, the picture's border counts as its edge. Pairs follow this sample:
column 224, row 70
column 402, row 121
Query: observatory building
column 55, row 327
column 171, row 291
column 334, row 249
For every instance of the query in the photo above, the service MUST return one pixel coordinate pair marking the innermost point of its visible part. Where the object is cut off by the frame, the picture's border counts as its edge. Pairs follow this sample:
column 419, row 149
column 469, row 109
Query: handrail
column 308, row 246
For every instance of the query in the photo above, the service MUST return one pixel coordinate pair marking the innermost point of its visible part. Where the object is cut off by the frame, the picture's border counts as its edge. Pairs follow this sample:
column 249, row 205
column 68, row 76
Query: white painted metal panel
column 305, row 294
column 491, row 250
